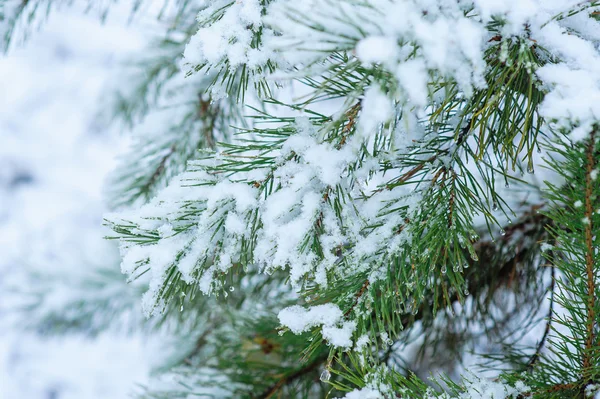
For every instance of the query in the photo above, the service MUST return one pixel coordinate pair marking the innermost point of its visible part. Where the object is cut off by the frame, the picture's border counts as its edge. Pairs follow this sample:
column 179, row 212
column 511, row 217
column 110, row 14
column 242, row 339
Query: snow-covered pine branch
column 374, row 195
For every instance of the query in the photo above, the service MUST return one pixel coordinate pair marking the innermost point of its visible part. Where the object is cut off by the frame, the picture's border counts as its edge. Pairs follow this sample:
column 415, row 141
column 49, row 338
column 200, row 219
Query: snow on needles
column 329, row 316
column 230, row 40
column 418, row 44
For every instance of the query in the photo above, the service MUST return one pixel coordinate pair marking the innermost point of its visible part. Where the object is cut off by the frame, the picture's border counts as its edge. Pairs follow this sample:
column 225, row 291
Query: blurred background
column 55, row 152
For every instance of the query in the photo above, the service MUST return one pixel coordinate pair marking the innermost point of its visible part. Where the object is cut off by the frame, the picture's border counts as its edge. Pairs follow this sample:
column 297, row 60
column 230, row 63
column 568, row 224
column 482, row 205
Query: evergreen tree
column 328, row 198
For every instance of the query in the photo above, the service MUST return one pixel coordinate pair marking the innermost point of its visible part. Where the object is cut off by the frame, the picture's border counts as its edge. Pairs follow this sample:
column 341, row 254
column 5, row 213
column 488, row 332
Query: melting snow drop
column 325, row 375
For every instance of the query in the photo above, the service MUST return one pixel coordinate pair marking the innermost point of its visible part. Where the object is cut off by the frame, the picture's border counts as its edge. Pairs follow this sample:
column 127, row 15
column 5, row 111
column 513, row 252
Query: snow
column 479, row 388
column 361, row 343
column 592, row 391
column 377, row 108
column 329, row 316
column 340, row 337
column 376, row 49
column 299, row 319
column 586, row 220
column 545, row 247
column 230, row 38
column 413, row 77
column 364, row 393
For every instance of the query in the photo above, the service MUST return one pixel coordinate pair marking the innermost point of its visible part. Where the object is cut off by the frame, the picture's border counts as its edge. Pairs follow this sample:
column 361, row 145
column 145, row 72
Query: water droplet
column 466, row 292
column 539, row 150
column 474, row 256
column 466, row 265
column 444, row 269
column 456, row 268
column 415, row 311
column 232, row 288
column 181, row 308
column 325, row 375
column 530, row 169
column 494, row 206
column 389, row 342
column 507, row 185
column 502, row 232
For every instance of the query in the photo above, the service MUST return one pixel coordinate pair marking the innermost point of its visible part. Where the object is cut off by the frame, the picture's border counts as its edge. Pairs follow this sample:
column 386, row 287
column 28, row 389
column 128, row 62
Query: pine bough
column 374, row 190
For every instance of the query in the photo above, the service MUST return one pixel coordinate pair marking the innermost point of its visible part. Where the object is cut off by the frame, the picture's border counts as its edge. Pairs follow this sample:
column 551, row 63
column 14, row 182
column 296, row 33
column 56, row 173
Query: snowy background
column 54, row 154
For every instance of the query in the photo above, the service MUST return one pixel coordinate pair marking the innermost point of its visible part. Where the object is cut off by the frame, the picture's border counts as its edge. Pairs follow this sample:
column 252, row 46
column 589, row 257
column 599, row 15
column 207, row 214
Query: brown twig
column 351, row 114
column 589, row 255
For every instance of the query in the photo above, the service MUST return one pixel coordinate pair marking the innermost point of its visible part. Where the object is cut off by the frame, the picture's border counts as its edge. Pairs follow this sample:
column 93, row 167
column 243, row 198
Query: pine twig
column 589, row 255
